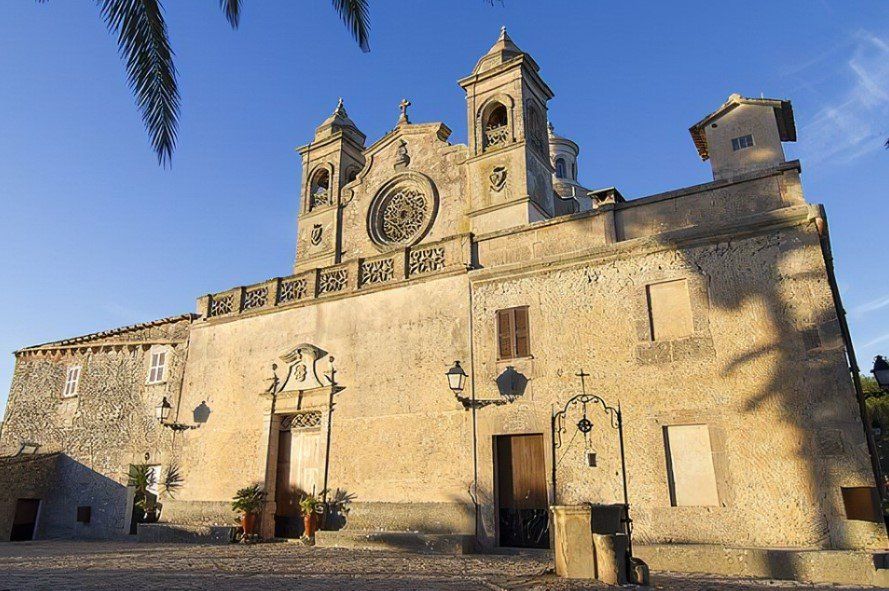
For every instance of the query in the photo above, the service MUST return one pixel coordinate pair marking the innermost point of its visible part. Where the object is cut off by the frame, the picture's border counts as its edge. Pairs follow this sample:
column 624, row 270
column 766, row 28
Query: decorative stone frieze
column 256, row 297
column 292, row 290
column 222, row 304
column 426, row 260
column 379, row 271
column 310, row 419
column 332, row 280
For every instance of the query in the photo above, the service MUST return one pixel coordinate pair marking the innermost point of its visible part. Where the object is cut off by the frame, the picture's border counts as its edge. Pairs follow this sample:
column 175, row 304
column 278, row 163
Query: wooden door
column 286, row 498
column 521, row 491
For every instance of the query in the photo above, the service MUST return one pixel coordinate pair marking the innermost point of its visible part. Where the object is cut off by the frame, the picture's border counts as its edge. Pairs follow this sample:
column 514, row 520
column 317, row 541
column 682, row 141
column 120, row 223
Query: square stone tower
column 744, row 134
column 330, row 161
column 509, row 171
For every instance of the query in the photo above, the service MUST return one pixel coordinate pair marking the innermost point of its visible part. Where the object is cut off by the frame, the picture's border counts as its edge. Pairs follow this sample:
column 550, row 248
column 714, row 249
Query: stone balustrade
column 358, row 275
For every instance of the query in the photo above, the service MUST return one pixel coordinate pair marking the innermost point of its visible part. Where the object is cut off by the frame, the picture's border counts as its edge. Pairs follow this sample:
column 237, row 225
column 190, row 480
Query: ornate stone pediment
column 302, row 369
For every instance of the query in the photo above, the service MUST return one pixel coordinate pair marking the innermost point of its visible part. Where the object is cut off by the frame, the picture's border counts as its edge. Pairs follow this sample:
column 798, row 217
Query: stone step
column 396, row 541
column 195, row 534
column 842, row 567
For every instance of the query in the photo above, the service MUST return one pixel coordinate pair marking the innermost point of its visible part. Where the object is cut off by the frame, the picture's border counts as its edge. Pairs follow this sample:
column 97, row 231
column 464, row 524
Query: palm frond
column 145, row 46
column 172, row 480
column 356, row 16
column 232, row 9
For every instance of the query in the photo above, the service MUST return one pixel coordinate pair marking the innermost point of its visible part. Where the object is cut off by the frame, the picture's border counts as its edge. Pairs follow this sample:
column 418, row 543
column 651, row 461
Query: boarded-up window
column 513, row 338
column 690, row 466
column 669, row 310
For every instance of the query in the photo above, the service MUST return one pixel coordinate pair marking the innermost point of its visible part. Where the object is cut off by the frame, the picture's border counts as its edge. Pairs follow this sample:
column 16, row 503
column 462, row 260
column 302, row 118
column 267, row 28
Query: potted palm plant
column 248, row 502
column 309, row 505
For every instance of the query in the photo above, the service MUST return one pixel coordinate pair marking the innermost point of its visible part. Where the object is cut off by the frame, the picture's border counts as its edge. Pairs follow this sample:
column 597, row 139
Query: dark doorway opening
column 24, row 522
column 520, row 476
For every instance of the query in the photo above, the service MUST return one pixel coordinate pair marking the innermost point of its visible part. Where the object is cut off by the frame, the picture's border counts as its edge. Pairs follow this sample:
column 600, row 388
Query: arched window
column 560, row 168
column 495, row 124
column 319, row 189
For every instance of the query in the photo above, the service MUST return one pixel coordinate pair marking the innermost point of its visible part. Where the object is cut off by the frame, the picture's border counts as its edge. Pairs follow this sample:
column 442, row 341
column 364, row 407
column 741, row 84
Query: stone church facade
column 709, row 313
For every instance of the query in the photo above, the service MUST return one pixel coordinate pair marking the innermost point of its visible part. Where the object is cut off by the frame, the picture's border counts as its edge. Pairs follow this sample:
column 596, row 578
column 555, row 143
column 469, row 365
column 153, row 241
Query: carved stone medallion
column 317, row 231
column 498, row 178
column 302, row 371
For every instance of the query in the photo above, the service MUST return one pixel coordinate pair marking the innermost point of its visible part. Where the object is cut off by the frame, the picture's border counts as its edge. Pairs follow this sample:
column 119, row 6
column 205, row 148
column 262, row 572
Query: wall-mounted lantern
column 457, row 381
column 456, row 378
column 162, row 414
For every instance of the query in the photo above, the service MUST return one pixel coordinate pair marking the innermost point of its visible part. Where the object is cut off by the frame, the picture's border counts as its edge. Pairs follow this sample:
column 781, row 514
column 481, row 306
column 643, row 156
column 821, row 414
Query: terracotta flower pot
column 310, row 524
column 248, row 523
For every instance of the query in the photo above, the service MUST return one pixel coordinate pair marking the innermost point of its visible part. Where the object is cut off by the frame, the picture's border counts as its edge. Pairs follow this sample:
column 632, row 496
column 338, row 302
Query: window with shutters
column 72, row 379
column 513, row 335
column 157, row 368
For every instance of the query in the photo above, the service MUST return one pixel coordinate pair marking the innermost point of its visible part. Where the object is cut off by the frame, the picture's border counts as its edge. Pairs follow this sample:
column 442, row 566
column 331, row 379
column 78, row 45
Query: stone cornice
column 683, row 238
column 98, row 346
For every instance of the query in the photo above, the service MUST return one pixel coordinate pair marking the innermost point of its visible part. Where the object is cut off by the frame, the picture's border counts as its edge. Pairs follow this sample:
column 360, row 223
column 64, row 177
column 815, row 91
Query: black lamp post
column 162, row 413
column 881, row 372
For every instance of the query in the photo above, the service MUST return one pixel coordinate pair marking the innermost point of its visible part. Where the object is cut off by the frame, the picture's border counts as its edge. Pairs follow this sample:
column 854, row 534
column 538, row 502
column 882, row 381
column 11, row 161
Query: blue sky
column 94, row 235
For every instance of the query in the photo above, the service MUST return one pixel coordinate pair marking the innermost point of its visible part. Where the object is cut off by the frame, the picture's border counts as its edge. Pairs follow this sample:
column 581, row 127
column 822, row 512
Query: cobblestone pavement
column 130, row 566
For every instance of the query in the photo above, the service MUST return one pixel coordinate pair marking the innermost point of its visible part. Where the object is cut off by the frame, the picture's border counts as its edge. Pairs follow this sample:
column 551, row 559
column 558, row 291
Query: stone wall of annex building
column 401, row 444
column 107, row 426
column 762, row 365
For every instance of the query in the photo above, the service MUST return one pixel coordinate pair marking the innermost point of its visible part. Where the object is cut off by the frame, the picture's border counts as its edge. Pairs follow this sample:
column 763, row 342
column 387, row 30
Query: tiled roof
column 96, row 336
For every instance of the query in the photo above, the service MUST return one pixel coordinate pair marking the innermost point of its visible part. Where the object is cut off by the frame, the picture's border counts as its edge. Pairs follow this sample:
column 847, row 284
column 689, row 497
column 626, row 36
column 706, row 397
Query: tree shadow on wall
column 771, row 291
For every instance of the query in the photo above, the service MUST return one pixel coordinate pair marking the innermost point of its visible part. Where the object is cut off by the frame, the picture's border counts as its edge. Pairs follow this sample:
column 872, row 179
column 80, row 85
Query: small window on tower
column 739, row 143
column 496, row 132
column 560, row 168
column 320, row 189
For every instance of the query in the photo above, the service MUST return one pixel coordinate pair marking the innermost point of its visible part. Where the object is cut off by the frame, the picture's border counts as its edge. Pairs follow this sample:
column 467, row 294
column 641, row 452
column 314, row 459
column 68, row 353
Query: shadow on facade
column 74, row 500
column 797, row 371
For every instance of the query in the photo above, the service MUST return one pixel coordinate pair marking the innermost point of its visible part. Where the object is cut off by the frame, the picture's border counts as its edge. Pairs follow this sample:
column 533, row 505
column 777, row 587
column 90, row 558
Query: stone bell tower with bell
column 331, row 161
column 509, row 169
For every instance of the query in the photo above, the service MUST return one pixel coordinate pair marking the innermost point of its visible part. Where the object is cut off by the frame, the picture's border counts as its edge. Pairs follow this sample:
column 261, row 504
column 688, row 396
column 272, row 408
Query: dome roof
column 501, row 52
column 338, row 121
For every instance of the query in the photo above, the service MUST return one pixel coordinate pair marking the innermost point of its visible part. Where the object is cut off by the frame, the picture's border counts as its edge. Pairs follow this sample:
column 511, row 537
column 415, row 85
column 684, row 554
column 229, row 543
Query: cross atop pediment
column 403, row 105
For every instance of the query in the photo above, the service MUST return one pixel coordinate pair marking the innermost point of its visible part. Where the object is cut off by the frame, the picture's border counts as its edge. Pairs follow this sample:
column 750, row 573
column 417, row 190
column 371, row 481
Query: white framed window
column 739, row 143
column 157, row 370
column 72, row 379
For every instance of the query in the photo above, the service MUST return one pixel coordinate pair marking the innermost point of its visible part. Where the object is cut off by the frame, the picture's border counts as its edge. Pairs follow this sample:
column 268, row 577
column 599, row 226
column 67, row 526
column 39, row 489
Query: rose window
column 401, row 213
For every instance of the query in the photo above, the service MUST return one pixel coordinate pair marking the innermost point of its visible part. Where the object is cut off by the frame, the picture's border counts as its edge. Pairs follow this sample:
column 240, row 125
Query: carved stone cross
column 403, row 105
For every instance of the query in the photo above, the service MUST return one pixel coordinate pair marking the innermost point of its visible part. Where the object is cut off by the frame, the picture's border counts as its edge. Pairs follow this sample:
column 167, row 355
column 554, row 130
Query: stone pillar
column 267, row 517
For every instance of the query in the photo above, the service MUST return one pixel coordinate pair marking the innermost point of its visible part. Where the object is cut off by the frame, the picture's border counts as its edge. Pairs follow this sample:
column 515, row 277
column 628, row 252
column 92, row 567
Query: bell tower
column 509, row 170
column 330, row 161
